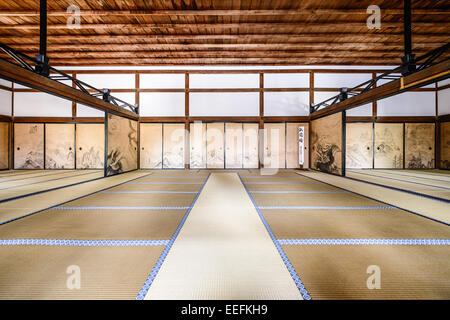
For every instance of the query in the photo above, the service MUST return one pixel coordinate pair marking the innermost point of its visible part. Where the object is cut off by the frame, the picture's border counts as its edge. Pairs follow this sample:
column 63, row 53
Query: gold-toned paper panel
column 197, row 135
column 59, row 146
column 388, row 146
column 28, row 146
column 326, row 144
column 292, row 145
column 233, row 145
column 151, row 145
column 4, row 145
column 419, row 145
column 173, row 145
column 215, row 145
column 122, row 145
column 250, row 142
column 274, row 145
column 90, row 145
column 359, row 145
column 445, row 145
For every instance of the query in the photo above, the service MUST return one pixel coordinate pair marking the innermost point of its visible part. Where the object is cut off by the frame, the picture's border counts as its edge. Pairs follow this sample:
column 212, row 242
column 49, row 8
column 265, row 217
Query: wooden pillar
column 137, row 101
column 187, row 150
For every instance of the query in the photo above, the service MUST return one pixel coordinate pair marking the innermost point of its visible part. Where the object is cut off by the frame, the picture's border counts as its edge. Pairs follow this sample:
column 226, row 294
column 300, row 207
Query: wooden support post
column 186, row 123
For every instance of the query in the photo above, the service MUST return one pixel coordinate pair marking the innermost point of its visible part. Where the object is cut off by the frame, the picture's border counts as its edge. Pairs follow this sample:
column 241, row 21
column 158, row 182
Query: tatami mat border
column 299, row 192
column 283, row 255
column 120, row 208
column 325, row 208
column 169, row 182
column 155, row 270
column 409, row 242
column 83, row 243
column 162, row 192
column 281, row 182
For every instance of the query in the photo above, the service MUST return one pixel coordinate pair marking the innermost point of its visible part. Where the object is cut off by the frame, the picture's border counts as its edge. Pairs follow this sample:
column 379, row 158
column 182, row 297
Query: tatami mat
column 353, row 224
column 39, row 272
column 21, row 207
column 14, row 189
column 413, row 182
column 95, row 225
column 340, row 271
column 133, row 200
column 314, row 199
column 431, row 208
column 223, row 251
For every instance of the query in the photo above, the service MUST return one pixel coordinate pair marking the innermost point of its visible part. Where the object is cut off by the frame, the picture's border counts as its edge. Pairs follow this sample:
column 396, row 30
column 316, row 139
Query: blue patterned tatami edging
column 82, row 243
column 120, row 208
column 159, row 192
column 299, row 192
column 283, row 255
column 325, row 208
column 281, row 182
column 409, row 242
column 155, row 270
column 170, row 182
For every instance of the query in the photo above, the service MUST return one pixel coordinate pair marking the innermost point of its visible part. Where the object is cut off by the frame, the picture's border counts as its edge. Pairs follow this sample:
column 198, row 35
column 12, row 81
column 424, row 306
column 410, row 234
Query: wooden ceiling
column 224, row 32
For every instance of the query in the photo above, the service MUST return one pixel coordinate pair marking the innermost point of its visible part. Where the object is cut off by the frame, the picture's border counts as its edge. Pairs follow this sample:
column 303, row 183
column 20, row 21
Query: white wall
column 109, row 81
column 340, row 80
column 162, row 81
column 444, row 102
column 40, row 104
column 5, row 102
column 408, row 104
column 85, row 111
column 286, row 103
column 361, row 111
column 224, row 80
column 162, row 104
column 224, row 104
column 286, row 80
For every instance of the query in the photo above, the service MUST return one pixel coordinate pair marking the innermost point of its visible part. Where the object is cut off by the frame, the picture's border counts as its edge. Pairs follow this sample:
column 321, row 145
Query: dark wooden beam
column 17, row 74
column 216, row 26
column 432, row 74
column 218, row 12
column 59, row 119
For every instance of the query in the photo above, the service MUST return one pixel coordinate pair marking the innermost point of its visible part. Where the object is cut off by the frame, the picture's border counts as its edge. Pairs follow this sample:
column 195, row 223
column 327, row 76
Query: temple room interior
column 224, row 150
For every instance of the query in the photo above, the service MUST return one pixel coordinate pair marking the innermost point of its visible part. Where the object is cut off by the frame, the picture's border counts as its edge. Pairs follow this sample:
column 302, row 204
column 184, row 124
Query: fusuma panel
column 359, row 145
column 215, row 145
column 198, row 145
column 293, row 142
column 122, row 145
column 60, row 146
column 445, row 145
column 388, row 153
column 250, row 145
column 173, row 145
column 90, row 143
column 28, row 146
column 326, row 144
column 274, row 145
column 419, row 145
column 4, row 145
column 233, row 145
column 151, row 154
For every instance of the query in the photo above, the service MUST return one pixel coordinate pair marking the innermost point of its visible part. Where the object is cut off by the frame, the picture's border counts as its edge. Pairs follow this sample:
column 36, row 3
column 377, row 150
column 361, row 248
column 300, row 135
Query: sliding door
column 151, row 154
